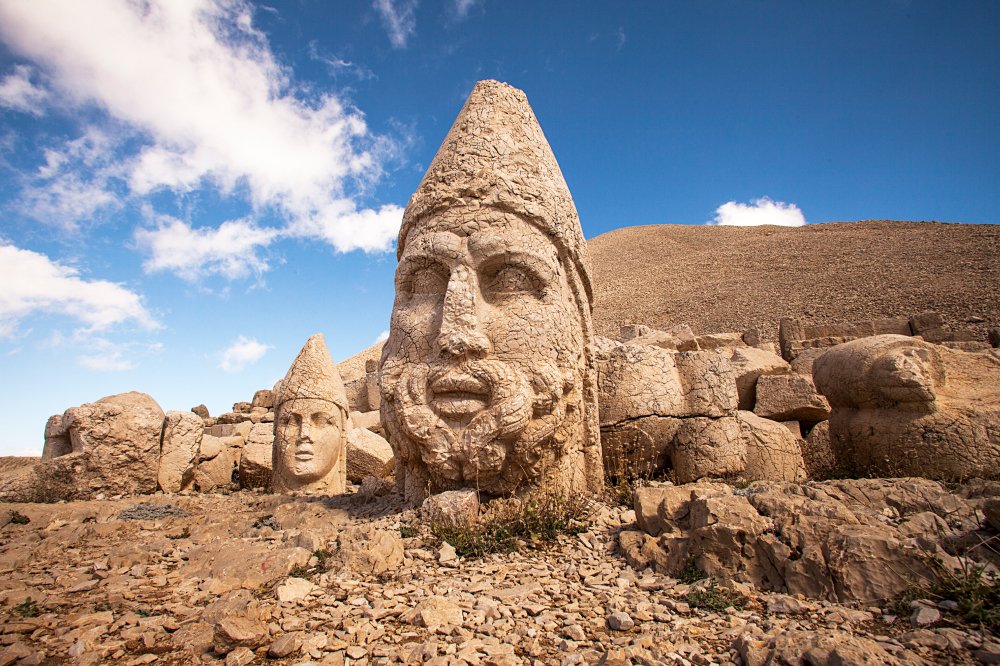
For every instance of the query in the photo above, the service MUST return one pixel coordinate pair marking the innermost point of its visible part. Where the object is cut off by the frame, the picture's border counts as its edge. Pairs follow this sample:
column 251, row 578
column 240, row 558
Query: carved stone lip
column 458, row 393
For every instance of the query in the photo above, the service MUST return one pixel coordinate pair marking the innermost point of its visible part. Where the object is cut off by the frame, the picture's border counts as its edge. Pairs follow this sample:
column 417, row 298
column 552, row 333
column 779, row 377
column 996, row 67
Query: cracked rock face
column 487, row 377
column 310, row 425
column 904, row 407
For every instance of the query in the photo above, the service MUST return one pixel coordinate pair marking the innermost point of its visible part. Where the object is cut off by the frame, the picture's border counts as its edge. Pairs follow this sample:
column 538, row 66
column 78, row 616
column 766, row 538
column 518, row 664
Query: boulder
column 665, row 509
column 57, row 441
column 749, row 363
column 120, row 434
column 676, row 338
column 790, row 397
column 219, row 459
column 202, row 411
column 263, row 398
column 803, row 363
column 773, row 453
column 182, row 435
column 452, row 507
column 255, row 457
column 904, row 407
column 720, row 340
column 817, row 453
column 366, row 550
column 706, row 447
column 368, row 454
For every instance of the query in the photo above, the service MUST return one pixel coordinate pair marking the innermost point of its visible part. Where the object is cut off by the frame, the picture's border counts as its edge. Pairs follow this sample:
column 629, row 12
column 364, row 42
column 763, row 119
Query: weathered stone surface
column 452, row 507
column 707, row 447
column 790, row 397
column 255, row 457
column 263, row 398
column 631, row 331
column 115, row 449
column 368, row 454
column 844, row 547
column 294, row 589
column 310, row 426
column 436, row 612
column 367, row 550
column 749, row 363
column 817, row 453
column 773, row 453
column 675, row 338
column 182, row 434
column 202, row 411
column 991, row 509
column 219, row 459
column 501, row 398
column 905, row 407
column 57, row 441
column 826, row 648
column 661, row 509
column 367, row 420
column 720, row 340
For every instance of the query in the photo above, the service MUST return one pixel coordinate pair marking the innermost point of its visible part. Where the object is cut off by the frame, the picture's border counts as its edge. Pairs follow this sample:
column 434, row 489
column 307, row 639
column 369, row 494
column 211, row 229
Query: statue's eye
column 427, row 280
column 509, row 279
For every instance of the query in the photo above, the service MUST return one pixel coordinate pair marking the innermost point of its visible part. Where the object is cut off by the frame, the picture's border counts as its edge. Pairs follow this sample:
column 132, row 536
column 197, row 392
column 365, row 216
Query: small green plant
column 322, row 558
column 266, row 521
column 690, row 572
column 27, row 608
column 714, row 598
column 183, row 534
column 19, row 518
column 407, row 531
column 531, row 521
column 625, row 472
column 301, row 571
column 973, row 588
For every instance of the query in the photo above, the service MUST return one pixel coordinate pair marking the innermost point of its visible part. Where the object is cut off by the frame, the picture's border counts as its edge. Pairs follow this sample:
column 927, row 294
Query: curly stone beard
column 498, row 449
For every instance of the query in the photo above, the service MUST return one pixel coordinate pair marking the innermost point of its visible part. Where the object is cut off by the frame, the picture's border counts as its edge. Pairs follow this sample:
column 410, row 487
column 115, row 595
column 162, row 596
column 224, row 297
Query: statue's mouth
column 458, row 394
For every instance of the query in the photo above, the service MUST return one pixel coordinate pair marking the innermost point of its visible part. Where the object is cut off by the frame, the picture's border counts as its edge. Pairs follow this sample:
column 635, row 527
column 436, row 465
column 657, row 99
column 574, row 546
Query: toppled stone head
column 487, row 378
column 310, row 424
column 905, row 407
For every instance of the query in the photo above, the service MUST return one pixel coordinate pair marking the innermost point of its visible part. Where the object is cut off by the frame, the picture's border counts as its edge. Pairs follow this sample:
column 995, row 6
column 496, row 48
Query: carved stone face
column 309, row 438
column 482, row 374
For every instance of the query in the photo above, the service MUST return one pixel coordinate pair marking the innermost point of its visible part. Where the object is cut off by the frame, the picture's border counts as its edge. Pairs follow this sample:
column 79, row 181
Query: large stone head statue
column 487, row 378
column 310, row 425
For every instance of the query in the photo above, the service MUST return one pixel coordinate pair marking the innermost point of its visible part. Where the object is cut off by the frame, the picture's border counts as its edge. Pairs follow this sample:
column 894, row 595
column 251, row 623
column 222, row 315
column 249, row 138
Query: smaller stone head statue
column 310, row 425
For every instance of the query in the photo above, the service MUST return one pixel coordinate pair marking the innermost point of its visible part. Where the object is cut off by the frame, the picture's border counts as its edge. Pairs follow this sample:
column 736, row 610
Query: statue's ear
column 907, row 375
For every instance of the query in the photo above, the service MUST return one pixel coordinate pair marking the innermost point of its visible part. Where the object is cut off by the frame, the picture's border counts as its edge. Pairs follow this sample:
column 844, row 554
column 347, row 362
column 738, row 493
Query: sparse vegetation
column 973, row 588
column 408, row 531
column 266, row 521
column 19, row 518
column 624, row 475
column 690, row 572
column 714, row 598
column 27, row 608
column 509, row 524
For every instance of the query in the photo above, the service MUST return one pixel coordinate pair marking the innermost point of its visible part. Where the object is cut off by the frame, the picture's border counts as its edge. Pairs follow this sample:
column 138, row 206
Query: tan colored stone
column 676, row 338
column 452, row 507
column 662, row 509
column 263, row 398
column 255, row 457
column 773, row 452
column 790, row 397
column 57, row 441
column 707, row 447
column 487, row 378
column 182, row 435
column 368, row 454
column 310, row 425
column 369, row 551
column 818, row 454
column 219, row 460
column 720, row 340
column 749, row 363
column 903, row 407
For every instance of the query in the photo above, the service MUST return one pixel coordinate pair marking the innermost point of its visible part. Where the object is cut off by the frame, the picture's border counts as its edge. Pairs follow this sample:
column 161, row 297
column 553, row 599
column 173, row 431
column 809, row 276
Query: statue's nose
column 461, row 331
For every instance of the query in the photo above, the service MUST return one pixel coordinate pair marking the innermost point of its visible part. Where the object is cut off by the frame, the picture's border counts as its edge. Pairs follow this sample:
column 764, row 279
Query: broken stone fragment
column 368, row 454
column 790, row 397
column 182, row 435
column 453, row 507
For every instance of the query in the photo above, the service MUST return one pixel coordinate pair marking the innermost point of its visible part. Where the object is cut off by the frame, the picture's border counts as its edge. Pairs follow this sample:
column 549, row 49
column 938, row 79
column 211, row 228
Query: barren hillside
column 734, row 278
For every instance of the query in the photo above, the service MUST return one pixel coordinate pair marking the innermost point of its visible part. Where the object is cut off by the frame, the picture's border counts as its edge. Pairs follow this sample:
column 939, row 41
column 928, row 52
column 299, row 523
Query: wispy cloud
column 230, row 251
column 461, row 8
column 19, row 93
column 382, row 337
column 620, row 38
column 199, row 101
column 758, row 212
column 398, row 18
column 32, row 283
column 337, row 65
column 243, row 352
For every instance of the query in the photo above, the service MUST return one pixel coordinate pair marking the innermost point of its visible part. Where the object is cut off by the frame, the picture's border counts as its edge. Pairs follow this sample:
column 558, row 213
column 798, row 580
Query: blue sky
column 189, row 189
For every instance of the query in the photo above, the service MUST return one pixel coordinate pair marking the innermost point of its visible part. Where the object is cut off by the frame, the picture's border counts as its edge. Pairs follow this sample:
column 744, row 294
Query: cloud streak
column 32, row 284
column 399, row 20
column 198, row 101
column 758, row 212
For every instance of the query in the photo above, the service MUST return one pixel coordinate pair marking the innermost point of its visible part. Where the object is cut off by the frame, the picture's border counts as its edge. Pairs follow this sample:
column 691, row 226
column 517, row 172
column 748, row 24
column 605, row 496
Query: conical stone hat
column 496, row 155
column 313, row 375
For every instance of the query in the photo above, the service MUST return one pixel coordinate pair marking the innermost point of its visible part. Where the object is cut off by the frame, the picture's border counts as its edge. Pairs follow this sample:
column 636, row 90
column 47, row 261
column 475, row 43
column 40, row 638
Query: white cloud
column 19, row 93
column 30, row 283
column 243, row 352
column 398, row 18
column 111, row 361
column 382, row 337
column 462, row 8
column 204, row 103
column 350, row 229
column 107, row 356
column 759, row 211
column 231, row 250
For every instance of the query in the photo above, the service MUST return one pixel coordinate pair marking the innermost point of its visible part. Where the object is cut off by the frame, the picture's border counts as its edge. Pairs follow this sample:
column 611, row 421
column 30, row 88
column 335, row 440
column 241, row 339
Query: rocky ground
column 256, row 578
column 736, row 278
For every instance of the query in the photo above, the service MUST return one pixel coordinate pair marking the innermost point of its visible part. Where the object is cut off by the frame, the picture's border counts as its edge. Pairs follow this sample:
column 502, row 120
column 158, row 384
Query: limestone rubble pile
column 213, row 576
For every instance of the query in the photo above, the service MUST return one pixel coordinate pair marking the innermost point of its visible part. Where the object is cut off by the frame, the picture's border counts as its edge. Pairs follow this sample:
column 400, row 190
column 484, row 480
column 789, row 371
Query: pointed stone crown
column 313, row 375
column 496, row 155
